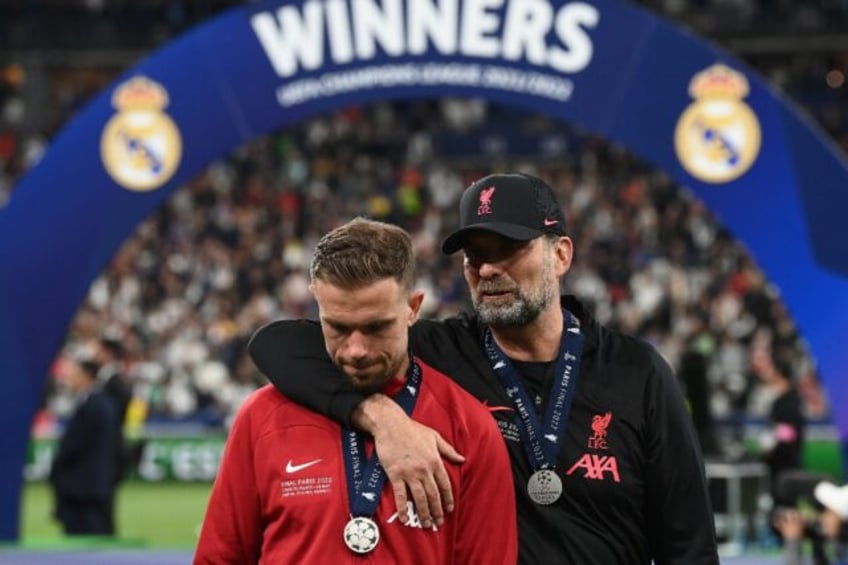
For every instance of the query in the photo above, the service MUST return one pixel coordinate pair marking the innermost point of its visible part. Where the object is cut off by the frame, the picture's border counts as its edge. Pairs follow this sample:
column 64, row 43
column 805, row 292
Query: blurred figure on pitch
column 84, row 469
column 109, row 354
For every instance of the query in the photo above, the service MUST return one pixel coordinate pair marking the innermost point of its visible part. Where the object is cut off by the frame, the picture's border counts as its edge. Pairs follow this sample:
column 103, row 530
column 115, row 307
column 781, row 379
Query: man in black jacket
column 606, row 465
column 109, row 354
column 83, row 472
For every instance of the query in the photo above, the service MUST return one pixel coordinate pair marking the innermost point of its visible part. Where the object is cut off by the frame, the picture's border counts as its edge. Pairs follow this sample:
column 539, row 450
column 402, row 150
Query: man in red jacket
column 296, row 486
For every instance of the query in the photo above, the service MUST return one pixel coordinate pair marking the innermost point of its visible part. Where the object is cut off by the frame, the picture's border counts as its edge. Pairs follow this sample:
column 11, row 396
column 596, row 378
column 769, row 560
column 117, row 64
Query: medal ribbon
column 365, row 478
column 542, row 444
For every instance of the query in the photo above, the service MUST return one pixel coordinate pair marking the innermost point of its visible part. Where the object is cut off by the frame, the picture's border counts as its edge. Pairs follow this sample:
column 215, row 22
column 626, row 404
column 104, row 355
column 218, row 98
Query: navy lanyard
column 365, row 479
column 542, row 444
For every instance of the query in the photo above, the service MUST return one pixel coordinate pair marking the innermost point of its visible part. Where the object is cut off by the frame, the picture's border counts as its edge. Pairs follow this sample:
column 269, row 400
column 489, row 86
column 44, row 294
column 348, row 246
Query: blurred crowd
column 229, row 252
column 131, row 24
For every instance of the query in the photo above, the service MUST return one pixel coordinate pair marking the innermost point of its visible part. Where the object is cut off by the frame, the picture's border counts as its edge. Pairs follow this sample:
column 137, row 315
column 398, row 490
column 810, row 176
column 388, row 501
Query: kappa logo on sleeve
column 413, row 521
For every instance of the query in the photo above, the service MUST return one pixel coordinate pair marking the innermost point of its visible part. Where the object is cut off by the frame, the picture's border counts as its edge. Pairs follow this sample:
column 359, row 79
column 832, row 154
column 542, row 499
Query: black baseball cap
column 516, row 205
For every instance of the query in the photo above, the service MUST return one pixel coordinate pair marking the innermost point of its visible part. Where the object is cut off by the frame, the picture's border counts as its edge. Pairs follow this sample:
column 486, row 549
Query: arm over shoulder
column 292, row 355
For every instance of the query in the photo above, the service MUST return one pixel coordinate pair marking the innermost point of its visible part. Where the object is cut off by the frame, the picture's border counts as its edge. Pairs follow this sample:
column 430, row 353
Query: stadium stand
column 228, row 252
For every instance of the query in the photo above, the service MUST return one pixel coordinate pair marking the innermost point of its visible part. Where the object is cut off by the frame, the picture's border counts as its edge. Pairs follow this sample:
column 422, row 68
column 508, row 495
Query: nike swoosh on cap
column 551, row 222
column 295, row 468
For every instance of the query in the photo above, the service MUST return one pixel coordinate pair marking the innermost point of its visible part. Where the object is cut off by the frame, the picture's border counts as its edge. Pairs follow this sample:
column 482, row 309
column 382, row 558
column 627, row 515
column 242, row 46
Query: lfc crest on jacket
column 597, row 466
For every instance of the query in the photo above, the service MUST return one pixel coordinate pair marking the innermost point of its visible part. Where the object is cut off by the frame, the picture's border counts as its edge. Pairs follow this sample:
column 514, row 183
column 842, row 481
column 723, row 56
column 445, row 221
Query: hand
column 831, row 523
column 789, row 523
column 411, row 454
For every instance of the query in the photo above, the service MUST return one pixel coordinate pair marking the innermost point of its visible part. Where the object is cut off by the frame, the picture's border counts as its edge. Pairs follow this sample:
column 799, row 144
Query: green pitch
column 150, row 515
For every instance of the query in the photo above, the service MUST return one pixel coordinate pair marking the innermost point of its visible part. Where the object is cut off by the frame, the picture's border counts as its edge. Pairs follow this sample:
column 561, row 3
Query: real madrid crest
column 141, row 146
column 718, row 136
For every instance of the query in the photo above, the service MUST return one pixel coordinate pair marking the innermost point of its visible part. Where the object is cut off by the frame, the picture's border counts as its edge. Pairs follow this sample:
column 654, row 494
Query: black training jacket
column 634, row 486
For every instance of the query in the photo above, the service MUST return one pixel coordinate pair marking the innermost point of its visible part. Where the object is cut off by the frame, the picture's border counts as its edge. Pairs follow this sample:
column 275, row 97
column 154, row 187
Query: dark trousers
column 85, row 517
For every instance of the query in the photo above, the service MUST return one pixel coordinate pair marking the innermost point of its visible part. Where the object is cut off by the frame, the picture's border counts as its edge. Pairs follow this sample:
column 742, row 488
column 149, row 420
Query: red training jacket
column 281, row 492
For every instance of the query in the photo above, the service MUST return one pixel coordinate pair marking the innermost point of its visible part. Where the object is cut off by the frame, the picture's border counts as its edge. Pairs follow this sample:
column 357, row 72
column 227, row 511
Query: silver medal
column 544, row 487
column 361, row 534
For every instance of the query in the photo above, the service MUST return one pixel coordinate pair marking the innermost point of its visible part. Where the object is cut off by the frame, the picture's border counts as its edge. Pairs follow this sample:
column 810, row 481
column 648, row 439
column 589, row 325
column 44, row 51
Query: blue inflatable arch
column 676, row 101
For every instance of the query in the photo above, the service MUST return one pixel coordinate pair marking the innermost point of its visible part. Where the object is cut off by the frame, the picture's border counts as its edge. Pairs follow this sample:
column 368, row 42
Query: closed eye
column 371, row 328
column 338, row 328
column 505, row 249
column 376, row 327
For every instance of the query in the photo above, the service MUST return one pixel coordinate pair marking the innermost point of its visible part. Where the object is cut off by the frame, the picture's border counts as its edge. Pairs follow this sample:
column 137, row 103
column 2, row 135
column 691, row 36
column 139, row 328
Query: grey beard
column 525, row 309
column 521, row 312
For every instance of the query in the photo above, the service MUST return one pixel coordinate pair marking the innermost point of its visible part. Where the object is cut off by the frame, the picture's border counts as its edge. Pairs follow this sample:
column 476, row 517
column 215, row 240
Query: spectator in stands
column 783, row 442
column 227, row 254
